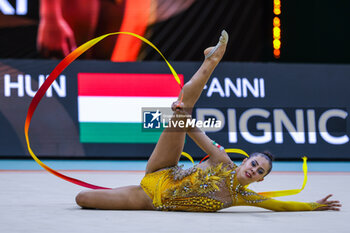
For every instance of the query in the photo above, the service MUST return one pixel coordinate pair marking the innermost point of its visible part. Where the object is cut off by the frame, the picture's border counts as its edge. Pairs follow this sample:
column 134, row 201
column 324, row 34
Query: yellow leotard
column 208, row 190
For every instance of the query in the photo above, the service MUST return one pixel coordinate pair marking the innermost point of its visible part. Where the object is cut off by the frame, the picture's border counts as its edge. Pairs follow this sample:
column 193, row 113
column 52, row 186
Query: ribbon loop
column 51, row 78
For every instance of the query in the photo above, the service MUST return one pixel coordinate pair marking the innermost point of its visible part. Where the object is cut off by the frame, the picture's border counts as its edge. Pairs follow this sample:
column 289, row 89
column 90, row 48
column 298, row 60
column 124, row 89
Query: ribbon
column 51, row 78
column 230, row 150
column 187, row 155
column 73, row 56
column 291, row 191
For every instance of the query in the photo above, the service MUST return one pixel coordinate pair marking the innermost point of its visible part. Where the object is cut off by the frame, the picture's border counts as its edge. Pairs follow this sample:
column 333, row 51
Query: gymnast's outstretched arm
column 277, row 205
column 254, row 199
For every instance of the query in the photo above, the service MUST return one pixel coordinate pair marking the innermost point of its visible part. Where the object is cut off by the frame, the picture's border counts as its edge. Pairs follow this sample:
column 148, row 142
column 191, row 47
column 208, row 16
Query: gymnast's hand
column 331, row 205
column 180, row 114
column 179, row 106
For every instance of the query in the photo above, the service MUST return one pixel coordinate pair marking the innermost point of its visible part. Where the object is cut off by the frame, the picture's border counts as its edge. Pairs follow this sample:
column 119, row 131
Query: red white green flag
column 110, row 105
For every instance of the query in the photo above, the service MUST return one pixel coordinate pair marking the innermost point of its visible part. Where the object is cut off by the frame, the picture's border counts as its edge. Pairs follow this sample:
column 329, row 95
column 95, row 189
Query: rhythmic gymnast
column 212, row 185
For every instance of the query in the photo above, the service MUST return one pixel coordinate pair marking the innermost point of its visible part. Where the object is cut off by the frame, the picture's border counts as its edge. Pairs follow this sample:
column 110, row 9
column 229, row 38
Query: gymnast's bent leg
column 123, row 198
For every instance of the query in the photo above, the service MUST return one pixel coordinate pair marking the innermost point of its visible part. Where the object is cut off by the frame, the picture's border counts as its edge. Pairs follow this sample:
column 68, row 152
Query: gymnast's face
column 252, row 170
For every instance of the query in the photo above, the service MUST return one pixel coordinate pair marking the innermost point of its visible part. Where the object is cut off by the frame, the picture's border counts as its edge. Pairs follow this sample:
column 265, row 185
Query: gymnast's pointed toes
column 224, row 37
column 220, row 47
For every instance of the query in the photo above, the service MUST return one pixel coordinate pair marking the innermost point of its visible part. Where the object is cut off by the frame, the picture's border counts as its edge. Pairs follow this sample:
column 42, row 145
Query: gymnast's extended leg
column 170, row 144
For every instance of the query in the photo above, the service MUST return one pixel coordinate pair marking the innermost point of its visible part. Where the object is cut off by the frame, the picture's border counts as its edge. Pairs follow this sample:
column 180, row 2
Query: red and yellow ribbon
column 66, row 62
column 51, row 78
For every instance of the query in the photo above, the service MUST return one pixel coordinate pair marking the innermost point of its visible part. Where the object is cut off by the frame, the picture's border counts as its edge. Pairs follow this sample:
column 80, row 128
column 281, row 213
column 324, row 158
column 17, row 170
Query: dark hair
column 267, row 155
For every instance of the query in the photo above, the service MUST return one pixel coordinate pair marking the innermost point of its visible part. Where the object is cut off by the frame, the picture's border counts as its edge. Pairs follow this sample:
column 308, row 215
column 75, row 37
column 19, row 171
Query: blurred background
column 311, row 31
column 282, row 85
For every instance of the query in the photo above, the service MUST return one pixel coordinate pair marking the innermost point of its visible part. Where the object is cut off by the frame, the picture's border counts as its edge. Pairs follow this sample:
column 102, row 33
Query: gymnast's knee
column 83, row 199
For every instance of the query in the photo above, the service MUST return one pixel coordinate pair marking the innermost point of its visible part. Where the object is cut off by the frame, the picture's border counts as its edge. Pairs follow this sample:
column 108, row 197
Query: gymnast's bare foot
column 216, row 53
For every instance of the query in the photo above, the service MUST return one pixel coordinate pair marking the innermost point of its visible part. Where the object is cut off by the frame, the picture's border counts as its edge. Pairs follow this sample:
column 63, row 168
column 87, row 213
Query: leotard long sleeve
column 277, row 205
column 245, row 197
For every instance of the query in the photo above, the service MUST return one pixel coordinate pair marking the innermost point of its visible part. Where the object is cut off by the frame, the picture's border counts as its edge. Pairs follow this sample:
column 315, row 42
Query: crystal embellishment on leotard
column 192, row 204
column 205, row 182
column 194, row 188
column 178, row 173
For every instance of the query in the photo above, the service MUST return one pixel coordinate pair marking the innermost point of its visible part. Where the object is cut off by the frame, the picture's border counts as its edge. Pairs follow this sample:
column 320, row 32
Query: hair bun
column 269, row 155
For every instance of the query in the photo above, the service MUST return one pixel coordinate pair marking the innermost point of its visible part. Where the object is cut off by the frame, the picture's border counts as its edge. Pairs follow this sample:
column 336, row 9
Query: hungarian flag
column 110, row 105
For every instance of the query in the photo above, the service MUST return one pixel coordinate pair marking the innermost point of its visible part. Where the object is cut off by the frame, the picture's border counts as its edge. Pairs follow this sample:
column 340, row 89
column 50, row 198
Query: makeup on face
column 256, row 166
